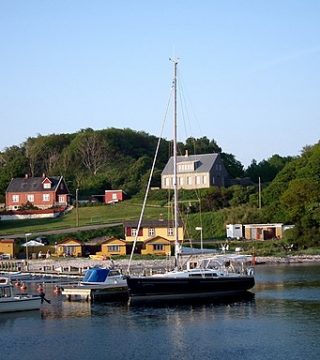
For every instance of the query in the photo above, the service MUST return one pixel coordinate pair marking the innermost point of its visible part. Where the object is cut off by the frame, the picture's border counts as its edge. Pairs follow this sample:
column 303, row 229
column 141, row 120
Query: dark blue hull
column 170, row 288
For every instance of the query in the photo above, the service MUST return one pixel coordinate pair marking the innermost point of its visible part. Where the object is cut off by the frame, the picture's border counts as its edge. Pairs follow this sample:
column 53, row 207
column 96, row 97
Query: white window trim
column 45, row 197
column 134, row 232
column 15, row 198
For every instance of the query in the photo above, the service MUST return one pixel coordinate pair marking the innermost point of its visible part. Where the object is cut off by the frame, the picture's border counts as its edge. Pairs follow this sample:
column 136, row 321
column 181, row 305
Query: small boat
column 98, row 283
column 9, row 302
column 16, row 275
column 211, row 278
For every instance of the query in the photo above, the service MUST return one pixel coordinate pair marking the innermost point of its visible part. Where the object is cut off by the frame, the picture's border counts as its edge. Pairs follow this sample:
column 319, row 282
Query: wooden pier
column 95, row 292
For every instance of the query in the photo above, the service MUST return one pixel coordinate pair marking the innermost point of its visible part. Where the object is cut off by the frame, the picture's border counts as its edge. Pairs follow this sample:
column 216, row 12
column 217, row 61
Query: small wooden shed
column 8, row 247
column 112, row 246
column 156, row 245
column 69, row 247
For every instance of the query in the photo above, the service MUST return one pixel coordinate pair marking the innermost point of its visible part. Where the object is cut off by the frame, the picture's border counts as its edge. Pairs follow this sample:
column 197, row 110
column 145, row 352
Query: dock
column 95, row 292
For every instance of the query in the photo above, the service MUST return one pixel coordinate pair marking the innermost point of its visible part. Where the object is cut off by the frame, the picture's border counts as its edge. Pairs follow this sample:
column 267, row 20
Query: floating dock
column 95, row 292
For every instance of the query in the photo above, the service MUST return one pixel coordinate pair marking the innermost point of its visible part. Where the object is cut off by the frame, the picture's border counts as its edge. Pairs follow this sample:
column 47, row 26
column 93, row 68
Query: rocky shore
column 148, row 266
column 295, row 259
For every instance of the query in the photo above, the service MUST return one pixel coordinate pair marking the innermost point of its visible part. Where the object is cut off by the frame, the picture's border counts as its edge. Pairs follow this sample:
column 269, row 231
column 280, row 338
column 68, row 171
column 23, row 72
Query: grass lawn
column 89, row 215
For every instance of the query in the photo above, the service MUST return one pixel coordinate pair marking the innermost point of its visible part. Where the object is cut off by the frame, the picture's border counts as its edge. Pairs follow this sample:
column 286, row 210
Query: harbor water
column 280, row 320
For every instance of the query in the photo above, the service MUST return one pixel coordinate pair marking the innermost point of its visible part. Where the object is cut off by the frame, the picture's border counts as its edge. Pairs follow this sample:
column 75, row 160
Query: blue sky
column 250, row 69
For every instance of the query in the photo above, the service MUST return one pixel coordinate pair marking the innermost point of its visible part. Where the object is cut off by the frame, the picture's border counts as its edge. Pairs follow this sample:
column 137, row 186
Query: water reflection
column 280, row 319
column 64, row 310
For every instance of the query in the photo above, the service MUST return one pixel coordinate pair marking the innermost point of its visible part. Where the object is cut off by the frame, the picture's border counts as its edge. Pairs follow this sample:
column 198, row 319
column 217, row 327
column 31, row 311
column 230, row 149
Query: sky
column 250, row 70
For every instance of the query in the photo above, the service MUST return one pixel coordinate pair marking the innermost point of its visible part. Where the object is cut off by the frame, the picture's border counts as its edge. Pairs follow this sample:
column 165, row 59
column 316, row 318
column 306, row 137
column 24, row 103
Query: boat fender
column 250, row 271
column 57, row 289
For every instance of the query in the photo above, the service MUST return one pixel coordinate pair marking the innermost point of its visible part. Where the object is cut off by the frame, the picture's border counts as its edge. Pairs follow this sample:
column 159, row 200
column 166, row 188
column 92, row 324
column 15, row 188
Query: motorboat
column 10, row 302
column 98, row 283
column 16, row 275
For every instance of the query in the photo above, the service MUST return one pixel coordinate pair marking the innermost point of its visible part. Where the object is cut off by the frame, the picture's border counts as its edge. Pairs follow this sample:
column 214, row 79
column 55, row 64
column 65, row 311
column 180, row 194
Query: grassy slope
column 91, row 215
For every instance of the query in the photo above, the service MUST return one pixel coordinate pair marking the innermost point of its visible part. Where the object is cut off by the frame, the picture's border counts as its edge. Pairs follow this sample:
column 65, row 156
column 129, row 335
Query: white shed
column 234, row 231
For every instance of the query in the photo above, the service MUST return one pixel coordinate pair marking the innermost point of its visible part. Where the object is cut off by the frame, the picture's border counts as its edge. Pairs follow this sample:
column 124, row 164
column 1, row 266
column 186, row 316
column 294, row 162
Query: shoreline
column 77, row 266
column 143, row 266
column 290, row 259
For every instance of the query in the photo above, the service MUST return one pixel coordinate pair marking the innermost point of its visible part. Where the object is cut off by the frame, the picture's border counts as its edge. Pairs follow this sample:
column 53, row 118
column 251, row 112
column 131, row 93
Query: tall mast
column 175, row 178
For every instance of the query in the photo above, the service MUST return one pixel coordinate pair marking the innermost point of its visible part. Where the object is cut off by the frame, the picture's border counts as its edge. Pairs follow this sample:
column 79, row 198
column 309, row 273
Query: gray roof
column 205, row 162
column 151, row 223
column 32, row 184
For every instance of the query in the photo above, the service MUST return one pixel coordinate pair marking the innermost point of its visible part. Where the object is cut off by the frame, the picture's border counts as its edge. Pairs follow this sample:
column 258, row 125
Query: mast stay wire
column 185, row 114
column 149, row 180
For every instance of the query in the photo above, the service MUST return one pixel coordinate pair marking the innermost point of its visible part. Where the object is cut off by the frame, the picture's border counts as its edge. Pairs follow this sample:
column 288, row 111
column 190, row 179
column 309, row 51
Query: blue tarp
column 96, row 275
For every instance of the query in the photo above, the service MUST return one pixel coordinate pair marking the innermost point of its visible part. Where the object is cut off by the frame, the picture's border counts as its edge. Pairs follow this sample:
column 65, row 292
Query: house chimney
column 186, row 154
column 43, row 175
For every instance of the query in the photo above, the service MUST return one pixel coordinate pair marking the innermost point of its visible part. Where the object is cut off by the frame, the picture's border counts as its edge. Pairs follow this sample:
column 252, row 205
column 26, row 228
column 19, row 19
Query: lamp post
column 77, row 207
column 199, row 228
column 27, row 235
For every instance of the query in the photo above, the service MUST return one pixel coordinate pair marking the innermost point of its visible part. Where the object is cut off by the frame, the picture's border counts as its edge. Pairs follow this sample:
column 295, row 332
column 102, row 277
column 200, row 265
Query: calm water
column 281, row 321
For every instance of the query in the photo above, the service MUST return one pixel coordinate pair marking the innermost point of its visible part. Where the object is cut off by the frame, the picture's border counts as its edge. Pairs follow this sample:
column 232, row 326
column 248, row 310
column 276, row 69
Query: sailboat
column 215, row 277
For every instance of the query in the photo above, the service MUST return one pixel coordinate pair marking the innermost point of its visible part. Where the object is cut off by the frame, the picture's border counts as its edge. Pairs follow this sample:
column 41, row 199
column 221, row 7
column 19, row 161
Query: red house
column 113, row 196
column 43, row 192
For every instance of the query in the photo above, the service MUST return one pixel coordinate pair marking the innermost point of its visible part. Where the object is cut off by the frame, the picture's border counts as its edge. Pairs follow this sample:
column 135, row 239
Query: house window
column 114, row 248
column 151, row 231
column 47, row 185
column 186, row 166
column 46, row 197
column 61, row 199
column 189, row 180
column 68, row 250
column 198, row 180
column 15, row 198
column 134, row 232
column 158, row 247
column 204, row 179
column 30, row 197
column 170, row 231
column 114, row 196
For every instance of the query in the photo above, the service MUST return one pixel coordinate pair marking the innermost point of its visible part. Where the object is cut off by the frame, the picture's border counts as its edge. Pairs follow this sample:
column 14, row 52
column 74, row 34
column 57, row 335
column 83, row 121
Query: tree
column 13, row 164
column 268, row 169
column 232, row 165
column 92, row 150
column 200, row 146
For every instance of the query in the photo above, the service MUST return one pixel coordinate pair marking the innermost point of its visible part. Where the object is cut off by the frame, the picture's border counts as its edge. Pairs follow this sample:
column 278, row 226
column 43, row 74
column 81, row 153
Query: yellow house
column 8, row 247
column 156, row 246
column 112, row 246
column 69, row 247
column 152, row 228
